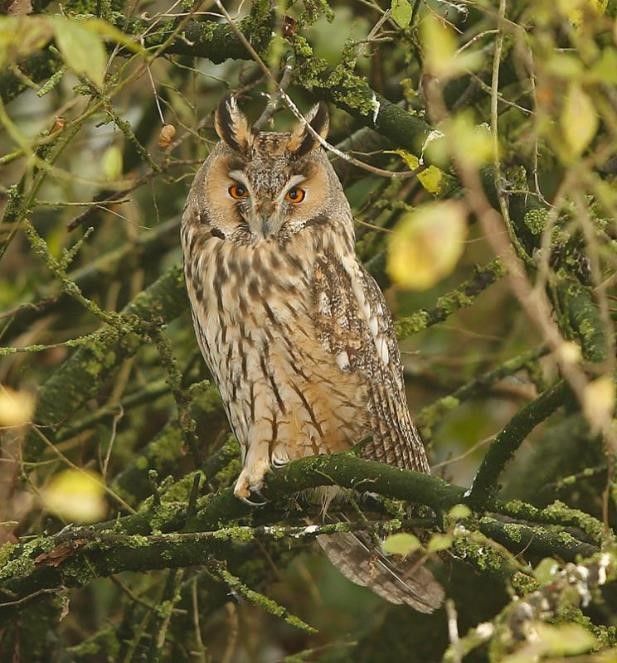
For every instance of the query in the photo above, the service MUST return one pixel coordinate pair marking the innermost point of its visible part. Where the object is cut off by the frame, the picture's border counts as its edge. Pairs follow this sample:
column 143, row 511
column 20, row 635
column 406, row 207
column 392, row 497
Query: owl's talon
column 251, row 503
column 249, row 484
column 257, row 491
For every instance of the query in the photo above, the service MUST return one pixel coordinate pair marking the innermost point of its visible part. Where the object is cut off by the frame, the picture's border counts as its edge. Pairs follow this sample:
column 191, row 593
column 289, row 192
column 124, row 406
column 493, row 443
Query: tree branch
column 164, row 537
column 83, row 374
column 485, row 483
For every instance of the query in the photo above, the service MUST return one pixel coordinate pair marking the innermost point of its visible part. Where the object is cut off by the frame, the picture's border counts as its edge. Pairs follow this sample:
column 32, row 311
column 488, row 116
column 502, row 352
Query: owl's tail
column 359, row 561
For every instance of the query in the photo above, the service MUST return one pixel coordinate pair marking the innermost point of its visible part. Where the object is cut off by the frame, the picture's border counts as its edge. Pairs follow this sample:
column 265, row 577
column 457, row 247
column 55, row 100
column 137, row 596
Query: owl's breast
column 254, row 315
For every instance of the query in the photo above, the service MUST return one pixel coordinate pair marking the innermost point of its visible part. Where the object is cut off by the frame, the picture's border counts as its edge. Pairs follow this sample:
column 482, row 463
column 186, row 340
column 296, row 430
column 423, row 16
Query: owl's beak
column 267, row 221
column 270, row 225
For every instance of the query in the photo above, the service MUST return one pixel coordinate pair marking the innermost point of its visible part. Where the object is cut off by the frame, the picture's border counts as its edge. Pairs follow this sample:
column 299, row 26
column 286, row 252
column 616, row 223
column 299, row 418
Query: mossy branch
column 485, row 483
column 170, row 535
column 83, row 374
column 432, row 414
column 447, row 304
column 199, row 38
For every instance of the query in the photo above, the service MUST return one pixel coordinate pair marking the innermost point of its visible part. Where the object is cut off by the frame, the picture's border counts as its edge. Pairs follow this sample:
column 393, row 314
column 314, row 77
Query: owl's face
column 266, row 186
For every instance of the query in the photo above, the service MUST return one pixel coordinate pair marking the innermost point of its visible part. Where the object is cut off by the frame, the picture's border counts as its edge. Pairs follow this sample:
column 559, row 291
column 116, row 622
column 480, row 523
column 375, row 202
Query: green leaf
column 604, row 69
column 439, row 542
column 105, row 29
column 472, row 143
column 546, row 569
column 426, row 244
column 401, row 12
column 565, row 639
column 564, row 65
column 401, row 544
column 579, row 120
column 82, row 49
column 459, row 512
column 440, row 48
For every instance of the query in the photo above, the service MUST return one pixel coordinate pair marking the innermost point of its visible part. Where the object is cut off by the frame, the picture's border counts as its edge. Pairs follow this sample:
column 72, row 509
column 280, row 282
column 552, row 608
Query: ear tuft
column 302, row 141
column 232, row 126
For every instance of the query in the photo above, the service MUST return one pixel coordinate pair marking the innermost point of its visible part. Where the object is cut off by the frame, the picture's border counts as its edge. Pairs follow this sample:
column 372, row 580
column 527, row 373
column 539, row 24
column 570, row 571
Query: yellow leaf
column 401, row 544
column 112, row 163
column 570, row 352
column 16, row 407
column 430, row 178
column 426, row 244
column 22, row 35
column 579, row 120
column 439, row 46
column 599, row 402
column 575, row 10
column 76, row 495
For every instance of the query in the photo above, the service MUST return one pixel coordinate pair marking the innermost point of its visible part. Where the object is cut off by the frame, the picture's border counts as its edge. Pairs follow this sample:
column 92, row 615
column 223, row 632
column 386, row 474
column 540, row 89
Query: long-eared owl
column 295, row 332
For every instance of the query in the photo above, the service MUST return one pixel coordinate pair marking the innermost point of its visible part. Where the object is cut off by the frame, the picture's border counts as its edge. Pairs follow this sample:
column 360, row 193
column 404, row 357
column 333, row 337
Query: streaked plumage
column 294, row 330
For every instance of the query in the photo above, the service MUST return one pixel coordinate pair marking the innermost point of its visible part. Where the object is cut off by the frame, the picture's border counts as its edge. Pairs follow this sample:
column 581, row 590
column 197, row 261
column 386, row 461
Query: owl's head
column 258, row 185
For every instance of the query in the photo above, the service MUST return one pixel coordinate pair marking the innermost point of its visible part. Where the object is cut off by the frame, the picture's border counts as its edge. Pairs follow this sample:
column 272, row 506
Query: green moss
column 523, row 584
column 558, row 512
column 446, row 305
column 142, row 463
column 351, row 91
column 535, row 220
column 227, row 475
column 412, row 324
column 482, row 553
column 454, row 301
column 580, row 319
column 347, row 89
column 567, row 612
column 264, row 602
column 104, row 643
column 512, row 532
column 313, row 9
column 179, row 491
column 206, row 397
column 517, row 508
column 5, row 553
column 24, row 564
column 301, row 47
column 166, row 448
column 79, row 571
column 429, row 416
column 237, row 534
column 164, row 514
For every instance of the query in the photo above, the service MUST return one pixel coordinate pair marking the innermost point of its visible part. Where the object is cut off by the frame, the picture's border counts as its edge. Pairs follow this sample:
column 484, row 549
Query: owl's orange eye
column 295, row 195
column 237, row 191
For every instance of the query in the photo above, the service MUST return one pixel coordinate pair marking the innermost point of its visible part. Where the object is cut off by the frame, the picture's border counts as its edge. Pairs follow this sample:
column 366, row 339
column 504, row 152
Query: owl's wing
column 355, row 325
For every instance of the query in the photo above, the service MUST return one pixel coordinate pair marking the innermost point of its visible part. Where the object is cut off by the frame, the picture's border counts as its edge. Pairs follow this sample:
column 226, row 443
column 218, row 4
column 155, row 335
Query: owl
column 295, row 332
